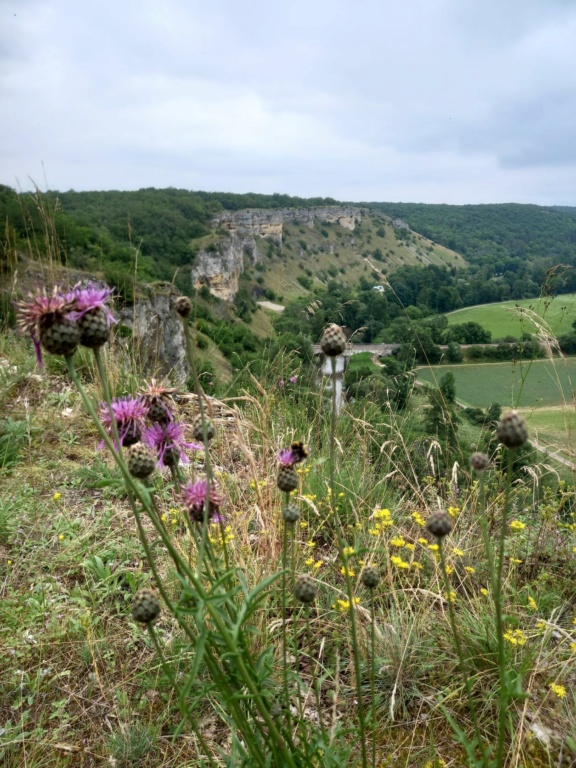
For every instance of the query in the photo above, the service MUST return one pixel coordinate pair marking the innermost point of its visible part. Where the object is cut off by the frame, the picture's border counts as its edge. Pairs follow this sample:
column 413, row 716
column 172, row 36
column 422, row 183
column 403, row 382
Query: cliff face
column 220, row 269
column 157, row 334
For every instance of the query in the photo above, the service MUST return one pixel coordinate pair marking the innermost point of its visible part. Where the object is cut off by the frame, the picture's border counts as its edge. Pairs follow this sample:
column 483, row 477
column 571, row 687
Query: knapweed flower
column 46, row 319
column 129, row 414
column 168, row 442
column 91, row 313
column 158, row 399
column 194, row 500
column 287, row 457
column 293, row 379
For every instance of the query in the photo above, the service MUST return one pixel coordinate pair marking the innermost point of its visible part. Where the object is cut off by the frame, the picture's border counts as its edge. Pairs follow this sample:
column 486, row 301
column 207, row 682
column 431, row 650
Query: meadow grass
column 83, row 681
column 525, row 384
column 503, row 319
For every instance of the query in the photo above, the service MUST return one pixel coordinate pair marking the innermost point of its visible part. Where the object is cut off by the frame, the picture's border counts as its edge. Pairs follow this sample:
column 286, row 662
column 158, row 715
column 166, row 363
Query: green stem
column 313, row 674
column 373, row 675
column 182, row 703
column 285, row 629
column 500, row 617
column 344, row 560
column 458, row 645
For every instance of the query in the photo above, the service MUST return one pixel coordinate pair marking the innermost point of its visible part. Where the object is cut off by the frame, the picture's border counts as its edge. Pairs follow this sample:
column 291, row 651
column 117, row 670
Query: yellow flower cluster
column 517, row 525
column 515, row 637
column 222, row 537
column 559, row 690
column 453, row 511
column 397, row 542
column 347, row 571
column 418, row 519
column 344, row 605
column 348, row 551
column 398, row 562
column 311, row 563
column 532, row 604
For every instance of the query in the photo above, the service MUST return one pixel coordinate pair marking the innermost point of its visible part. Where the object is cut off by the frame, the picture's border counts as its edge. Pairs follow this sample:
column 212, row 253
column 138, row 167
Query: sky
column 437, row 101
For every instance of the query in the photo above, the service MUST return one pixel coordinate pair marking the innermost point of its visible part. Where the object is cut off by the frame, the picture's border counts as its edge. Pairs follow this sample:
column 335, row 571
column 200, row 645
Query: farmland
column 537, row 384
column 504, row 319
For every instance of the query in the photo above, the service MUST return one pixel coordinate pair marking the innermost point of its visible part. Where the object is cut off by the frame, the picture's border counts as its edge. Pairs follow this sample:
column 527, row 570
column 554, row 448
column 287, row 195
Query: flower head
column 194, row 500
column 168, row 441
column 129, row 413
column 39, row 312
column 287, row 457
column 90, row 298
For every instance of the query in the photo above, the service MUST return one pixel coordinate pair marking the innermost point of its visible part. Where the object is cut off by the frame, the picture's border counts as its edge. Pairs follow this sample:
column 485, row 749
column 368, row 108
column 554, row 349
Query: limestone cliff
column 157, row 335
column 220, row 268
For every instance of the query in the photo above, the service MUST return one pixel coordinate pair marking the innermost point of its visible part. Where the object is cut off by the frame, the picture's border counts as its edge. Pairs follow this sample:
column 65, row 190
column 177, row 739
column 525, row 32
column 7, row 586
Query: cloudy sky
column 457, row 101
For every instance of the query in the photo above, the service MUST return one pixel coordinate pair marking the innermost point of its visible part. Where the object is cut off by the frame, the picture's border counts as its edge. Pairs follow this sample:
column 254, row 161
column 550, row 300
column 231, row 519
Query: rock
column 157, row 333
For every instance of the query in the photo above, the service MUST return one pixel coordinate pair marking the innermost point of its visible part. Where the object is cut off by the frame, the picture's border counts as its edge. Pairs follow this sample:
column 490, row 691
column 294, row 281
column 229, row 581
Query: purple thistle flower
column 169, row 437
column 194, row 499
column 286, row 457
column 129, row 413
column 281, row 383
column 90, row 298
column 293, row 379
column 39, row 311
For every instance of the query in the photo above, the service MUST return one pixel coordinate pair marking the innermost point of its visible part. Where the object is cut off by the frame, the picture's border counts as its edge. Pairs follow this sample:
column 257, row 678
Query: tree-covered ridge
column 493, row 234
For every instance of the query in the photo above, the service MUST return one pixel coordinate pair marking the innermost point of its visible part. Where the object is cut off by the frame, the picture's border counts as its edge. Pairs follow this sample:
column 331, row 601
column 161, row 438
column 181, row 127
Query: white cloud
column 433, row 101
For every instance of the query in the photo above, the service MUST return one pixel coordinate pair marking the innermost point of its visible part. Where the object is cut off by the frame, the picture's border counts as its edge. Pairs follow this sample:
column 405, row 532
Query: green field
column 529, row 385
column 503, row 319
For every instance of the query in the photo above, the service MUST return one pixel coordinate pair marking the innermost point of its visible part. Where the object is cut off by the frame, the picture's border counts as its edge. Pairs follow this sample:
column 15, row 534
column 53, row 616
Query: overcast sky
column 456, row 101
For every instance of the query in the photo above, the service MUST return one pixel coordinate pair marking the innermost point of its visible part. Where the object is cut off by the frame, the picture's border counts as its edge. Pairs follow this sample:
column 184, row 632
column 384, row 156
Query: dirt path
column 270, row 305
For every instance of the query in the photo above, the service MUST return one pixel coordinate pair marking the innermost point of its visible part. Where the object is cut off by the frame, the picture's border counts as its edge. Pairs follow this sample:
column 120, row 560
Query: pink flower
column 287, row 457
column 194, row 499
column 39, row 312
column 293, row 379
column 90, row 298
column 168, row 437
column 129, row 414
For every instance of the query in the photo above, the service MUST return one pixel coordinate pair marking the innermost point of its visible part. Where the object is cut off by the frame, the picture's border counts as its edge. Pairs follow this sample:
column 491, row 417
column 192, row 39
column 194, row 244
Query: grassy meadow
column 236, row 671
column 505, row 319
column 523, row 384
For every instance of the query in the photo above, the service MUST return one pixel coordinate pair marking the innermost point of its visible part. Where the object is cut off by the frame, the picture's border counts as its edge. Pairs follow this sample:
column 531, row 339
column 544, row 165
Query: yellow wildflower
column 573, row 647
column 541, row 625
column 451, row 596
column 56, row 496
column 417, row 565
column 411, row 547
column 417, row 517
column 310, row 544
column 517, row 525
column 449, row 570
column 318, row 564
column 457, row 552
column 423, row 541
column 433, row 547
column 310, row 561
column 303, row 524
column 397, row 542
column 398, row 562
column 484, row 591
column 348, row 551
column 61, row 537
column 515, row 561
column 559, row 690
column 515, row 637
column 347, row 571
column 453, row 511
column 532, row 604
column 469, row 569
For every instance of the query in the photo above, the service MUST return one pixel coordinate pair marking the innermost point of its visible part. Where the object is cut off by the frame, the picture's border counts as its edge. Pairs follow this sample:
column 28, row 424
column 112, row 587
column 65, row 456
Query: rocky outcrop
column 267, row 223
column 156, row 332
column 219, row 268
